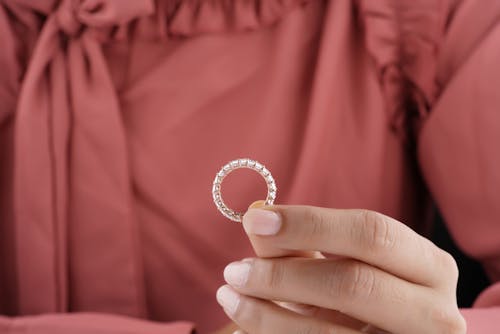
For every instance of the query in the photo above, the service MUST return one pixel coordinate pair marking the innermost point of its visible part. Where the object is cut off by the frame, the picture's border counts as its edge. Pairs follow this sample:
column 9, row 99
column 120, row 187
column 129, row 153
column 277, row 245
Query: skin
column 228, row 329
column 379, row 276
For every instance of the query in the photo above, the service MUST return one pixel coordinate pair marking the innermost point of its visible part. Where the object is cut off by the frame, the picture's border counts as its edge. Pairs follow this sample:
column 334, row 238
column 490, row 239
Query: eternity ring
column 228, row 168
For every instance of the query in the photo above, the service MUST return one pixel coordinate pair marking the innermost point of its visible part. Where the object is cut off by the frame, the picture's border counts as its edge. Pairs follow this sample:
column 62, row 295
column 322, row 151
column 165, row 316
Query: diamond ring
column 228, row 168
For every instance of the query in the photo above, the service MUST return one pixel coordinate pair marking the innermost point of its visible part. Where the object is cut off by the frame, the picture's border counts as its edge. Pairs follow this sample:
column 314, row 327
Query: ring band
column 228, row 168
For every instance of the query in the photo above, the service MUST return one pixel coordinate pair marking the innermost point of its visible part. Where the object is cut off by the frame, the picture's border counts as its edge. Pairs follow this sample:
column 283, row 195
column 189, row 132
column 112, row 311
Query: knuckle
column 448, row 322
column 272, row 273
column 448, row 263
column 425, row 248
column 361, row 282
column 376, row 234
column 331, row 283
column 355, row 282
column 316, row 223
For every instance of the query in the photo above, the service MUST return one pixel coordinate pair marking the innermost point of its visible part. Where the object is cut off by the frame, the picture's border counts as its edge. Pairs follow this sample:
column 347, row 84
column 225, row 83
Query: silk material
column 115, row 116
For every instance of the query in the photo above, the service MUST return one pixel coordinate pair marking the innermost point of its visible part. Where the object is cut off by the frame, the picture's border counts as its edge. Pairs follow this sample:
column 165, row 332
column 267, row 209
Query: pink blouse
column 115, row 116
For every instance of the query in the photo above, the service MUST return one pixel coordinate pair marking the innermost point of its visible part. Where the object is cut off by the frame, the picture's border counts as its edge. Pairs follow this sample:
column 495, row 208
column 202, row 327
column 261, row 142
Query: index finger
column 364, row 235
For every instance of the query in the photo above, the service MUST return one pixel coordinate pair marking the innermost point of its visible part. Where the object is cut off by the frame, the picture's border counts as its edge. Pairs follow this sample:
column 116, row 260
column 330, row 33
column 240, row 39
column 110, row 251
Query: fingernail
column 239, row 331
column 257, row 204
column 236, row 273
column 228, row 299
column 261, row 222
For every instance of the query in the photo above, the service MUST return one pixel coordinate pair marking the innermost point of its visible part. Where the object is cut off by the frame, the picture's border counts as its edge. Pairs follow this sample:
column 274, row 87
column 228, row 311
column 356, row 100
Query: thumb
column 261, row 244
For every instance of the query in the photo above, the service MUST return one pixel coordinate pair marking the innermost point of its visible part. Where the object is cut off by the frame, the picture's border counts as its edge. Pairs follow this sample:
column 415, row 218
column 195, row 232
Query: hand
column 385, row 277
column 227, row 329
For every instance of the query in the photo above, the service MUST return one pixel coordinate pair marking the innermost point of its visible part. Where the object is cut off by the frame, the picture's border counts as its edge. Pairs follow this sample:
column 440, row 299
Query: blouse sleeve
column 458, row 146
column 94, row 323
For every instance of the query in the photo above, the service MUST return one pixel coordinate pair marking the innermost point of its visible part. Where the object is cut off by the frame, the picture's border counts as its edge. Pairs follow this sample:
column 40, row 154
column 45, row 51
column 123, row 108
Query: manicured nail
column 239, row 331
column 261, row 222
column 236, row 273
column 228, row 299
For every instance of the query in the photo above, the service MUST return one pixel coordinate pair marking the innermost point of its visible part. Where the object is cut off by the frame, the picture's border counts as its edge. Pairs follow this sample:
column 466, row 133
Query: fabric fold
column 67, row 87
column 89, row 322
column 403, row 39
column 193, row 17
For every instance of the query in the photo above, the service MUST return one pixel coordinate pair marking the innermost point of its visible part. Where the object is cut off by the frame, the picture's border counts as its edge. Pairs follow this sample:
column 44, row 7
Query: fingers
column 255, row 316
column 351, row 287
column 323, row 313
column 265, row 249
column 361, row 234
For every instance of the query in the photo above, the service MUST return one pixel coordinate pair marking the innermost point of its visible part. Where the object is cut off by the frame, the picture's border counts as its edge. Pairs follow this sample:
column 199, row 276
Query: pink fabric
column 94, row 323
column 115, row 116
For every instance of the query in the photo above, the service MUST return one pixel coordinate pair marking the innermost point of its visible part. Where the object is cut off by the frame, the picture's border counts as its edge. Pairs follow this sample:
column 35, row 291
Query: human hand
column 227, row 329
column 385, row 277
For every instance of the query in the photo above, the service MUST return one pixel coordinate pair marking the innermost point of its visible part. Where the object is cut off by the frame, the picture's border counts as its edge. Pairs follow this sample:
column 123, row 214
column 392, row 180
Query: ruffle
column 171, row 17
column 194, row 17
column 22, row 22
column 403, row 39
